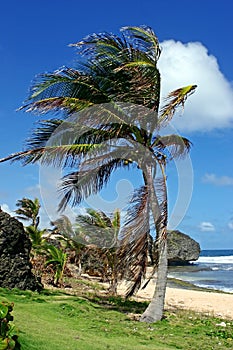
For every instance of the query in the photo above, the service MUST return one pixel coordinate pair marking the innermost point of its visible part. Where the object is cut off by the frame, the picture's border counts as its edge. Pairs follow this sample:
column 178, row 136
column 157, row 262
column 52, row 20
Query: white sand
column 218, row 304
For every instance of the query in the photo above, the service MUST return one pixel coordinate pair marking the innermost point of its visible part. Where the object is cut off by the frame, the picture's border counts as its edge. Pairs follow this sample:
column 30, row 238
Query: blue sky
column 197, row 48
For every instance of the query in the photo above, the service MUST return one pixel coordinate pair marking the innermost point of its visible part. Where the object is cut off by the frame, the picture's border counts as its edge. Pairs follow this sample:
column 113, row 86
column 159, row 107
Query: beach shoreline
column 213, row 303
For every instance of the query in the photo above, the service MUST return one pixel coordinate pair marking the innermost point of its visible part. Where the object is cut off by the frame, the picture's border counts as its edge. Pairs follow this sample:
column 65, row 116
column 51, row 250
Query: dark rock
column 15, row 246
column 181, row 248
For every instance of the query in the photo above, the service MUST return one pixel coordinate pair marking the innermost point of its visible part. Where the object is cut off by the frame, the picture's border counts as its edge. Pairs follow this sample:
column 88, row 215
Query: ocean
column 213, row 269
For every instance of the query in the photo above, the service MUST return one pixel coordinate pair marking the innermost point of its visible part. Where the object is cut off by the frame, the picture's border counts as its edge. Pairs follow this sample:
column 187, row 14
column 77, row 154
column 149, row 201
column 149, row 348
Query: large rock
column 15, row 246
column 182, row 248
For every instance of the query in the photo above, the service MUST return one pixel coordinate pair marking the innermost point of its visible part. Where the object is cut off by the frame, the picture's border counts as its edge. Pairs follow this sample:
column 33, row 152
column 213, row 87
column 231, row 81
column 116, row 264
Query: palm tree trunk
column 155, row 310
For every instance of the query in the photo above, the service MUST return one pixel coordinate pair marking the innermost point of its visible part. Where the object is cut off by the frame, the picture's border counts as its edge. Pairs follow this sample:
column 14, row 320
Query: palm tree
column 98, row 228
column 37, row 237
column 28, row 209
column 102, row 231
column 113, row 98
column 57, row 258
column 64, row 231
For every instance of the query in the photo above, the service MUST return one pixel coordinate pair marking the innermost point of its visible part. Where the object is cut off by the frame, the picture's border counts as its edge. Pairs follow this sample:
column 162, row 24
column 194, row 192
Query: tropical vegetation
column 108, row 116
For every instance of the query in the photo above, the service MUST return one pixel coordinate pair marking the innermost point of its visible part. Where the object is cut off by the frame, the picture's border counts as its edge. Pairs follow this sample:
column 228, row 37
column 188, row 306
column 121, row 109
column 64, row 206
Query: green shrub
column 8, row 333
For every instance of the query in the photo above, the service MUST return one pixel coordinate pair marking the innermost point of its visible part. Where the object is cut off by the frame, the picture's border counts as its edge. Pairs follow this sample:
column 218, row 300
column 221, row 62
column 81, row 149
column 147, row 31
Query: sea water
column 213, row 269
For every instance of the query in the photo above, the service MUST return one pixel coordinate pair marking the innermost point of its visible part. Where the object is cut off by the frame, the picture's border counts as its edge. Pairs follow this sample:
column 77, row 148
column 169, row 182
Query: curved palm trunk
column 155, row 310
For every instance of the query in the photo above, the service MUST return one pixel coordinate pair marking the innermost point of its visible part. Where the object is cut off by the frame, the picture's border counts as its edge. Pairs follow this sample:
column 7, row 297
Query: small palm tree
column 28, row 209
column 64, row 232
column 57, row 258
column 37, row 238
column 103, row 231
column 97, row 228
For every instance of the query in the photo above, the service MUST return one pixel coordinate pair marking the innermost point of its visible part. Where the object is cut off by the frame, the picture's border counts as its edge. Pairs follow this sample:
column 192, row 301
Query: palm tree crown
column 28, row 209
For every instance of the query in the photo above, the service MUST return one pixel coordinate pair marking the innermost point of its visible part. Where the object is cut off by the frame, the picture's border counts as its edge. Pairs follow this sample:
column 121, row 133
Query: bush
column 8, row 332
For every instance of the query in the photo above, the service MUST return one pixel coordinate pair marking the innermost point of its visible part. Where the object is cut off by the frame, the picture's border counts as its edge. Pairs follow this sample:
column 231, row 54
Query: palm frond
column 98, row 46
column 63, row 226
column 42, row 134
column 172, row 146
column 99, row 218
column 125, row 66
column 175, row 99
column 133, row 250
column 28, row 209
column 144, row 39
column 116, row 221
column 160, row 186
column 58, row 104
column 97, row 228
column 66, row 89
column 58, row 156
column 79, row 185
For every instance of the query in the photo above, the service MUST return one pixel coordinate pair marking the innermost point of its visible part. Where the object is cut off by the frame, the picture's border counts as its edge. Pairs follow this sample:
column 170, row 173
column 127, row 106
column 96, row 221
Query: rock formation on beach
column 182, row 248
column 15, row 246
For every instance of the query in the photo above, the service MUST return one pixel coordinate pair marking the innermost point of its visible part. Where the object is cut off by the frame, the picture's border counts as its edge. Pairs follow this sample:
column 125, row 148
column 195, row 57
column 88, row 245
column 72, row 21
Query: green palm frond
column 79, row 185
column 66, row 89
column 99, row 218
column 175, row 99
column 58, row 259
column 144, row 39
column 97, row 228
column 95, row 171
column 28, row 209
column 58, row 156
column 126, row 66
column 116, row 221
column 43, row 133
column 36, row 237
column 94, row 44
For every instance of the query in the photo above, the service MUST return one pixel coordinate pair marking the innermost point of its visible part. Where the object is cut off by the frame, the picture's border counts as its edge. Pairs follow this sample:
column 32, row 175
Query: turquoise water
column 213, row 269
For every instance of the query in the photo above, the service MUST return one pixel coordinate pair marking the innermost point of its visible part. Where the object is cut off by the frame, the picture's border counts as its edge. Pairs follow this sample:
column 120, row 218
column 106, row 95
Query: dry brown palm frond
column 133, row 249
column 174, row 146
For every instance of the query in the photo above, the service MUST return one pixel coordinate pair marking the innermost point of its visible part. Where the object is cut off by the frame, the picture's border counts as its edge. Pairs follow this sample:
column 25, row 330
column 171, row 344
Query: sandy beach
column 218, row 304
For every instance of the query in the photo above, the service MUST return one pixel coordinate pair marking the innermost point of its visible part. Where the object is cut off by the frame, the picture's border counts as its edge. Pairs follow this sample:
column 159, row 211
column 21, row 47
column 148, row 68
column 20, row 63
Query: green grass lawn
column 58, row 321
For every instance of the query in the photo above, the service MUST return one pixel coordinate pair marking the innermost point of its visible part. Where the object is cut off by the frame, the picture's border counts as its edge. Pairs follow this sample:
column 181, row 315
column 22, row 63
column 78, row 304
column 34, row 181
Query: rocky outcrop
column 182, row 248
column 15, row 246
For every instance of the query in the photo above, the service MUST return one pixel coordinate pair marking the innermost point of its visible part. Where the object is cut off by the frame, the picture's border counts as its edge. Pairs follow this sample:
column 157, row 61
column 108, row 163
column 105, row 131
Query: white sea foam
column 219, row 288
column 215, row 259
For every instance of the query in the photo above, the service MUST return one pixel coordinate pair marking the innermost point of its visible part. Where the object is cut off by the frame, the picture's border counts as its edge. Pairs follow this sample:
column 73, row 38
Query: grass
column 56, row 320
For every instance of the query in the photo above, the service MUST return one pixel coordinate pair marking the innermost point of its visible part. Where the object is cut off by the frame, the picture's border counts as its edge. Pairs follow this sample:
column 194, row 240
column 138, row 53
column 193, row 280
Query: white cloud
column 218, row 180
column 211, row 106
column 206, row 227
column 6, row 209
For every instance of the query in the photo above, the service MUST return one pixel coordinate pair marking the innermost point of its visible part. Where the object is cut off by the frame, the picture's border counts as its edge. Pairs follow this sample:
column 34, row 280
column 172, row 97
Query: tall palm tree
column 113, row 98
column 28, row 209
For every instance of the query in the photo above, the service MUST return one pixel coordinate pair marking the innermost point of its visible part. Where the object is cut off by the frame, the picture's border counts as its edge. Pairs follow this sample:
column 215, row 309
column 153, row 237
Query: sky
column 197, row 48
